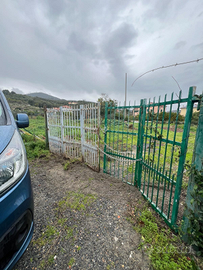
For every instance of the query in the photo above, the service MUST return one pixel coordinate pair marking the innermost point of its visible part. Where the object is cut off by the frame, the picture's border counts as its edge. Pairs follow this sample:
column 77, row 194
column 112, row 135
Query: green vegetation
column 51, row 259
column 70, row 231
column 47, row 236
column 110, row 266
column 33, row 106
column 102, row 100
column 71, row 161
column 166, row 251
column 123, row 142
column 67, row 166
column 76, row 201
column 37, row 126
column 195, row 213
column 44, row 264
column 35, row 148
column 62, row 221
column 71, row 262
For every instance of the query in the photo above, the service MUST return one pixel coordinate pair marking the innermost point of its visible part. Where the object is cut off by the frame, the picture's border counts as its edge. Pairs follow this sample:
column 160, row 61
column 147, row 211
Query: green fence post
column 197, row 161
column 138, row 168
column 105, row 135
column 183, row 151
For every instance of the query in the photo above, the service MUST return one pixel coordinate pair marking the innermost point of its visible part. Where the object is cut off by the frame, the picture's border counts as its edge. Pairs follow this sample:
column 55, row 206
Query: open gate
column 74, row 132
column 146, row 146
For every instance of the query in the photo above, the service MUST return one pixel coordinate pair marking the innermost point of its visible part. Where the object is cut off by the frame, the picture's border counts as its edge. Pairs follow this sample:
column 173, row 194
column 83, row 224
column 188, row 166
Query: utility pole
column 125, row 94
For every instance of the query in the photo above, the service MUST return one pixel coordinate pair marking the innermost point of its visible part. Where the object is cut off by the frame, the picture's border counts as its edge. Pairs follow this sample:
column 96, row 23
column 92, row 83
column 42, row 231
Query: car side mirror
column 22, row 120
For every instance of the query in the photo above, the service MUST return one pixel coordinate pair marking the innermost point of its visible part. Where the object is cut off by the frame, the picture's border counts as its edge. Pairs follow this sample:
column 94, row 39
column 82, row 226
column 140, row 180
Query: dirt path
column 80, row 220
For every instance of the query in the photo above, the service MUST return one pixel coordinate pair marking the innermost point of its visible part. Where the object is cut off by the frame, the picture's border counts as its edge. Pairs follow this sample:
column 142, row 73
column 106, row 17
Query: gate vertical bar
column 138, row 168
column 105, row 135
column 62, row 129
column 183, row 151
column 82, row 131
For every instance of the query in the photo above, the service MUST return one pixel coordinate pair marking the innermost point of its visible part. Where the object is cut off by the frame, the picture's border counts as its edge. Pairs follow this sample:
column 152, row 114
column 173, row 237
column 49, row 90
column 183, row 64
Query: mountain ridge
column 43, row 95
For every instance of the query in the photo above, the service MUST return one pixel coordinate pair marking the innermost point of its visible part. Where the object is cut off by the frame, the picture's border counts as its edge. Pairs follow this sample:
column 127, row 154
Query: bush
column 195, row 118
column 34, row 149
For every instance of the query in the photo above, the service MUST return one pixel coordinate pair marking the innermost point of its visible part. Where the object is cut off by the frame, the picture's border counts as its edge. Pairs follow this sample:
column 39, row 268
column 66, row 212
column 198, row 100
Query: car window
column 2, row 115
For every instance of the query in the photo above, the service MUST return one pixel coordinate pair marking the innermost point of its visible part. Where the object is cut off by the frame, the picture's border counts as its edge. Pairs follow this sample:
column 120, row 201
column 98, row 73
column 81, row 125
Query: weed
column 109, row 266
column 62, row 221
column 71, row 161
column 66, row 166
column 51, row 259
column 51, row 231
column 79, row 248
column 47, row 236
column 63, row 250
column 184, row 185
column 34, row 149
column 76, row 201
column 42, row 264
column 161, row 244
column 71, row 262
column 69, row 231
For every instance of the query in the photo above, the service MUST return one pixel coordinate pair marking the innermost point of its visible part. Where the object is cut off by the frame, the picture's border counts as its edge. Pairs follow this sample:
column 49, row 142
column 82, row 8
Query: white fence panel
column 74, row 132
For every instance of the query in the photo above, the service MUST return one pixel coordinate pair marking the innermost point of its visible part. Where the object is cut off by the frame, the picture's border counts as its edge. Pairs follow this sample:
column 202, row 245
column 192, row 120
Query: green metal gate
column 146, row 146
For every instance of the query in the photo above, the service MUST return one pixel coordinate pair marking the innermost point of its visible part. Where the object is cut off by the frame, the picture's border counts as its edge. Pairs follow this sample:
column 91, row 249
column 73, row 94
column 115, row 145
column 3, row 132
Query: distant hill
column 43, row 95
column 33, row 105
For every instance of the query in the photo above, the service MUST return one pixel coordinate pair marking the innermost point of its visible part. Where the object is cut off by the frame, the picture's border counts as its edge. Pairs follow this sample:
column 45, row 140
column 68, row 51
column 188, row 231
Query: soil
column 97, row 236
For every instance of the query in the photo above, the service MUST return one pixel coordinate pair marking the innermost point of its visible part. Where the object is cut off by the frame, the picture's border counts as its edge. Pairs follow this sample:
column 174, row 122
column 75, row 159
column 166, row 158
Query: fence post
column 138, row 168
column 46, row 128
column 183, row 151
column 105, row 135
column 62, row 129
column 197, row 162
column 82, row 130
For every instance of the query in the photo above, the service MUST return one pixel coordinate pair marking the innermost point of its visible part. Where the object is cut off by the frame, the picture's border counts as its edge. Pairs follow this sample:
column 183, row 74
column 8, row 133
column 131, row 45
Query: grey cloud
column 55, row 8
column 163, row 11
column 118, row 41
column 81, row 47
column 159, row 9
column 201, row 13
column 79, row 44
column 18, row 91
column 198, row 46
column 179, row 45
column 129, row 56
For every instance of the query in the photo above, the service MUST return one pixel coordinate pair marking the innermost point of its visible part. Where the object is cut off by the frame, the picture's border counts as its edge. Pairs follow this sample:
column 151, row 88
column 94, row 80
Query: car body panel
column 16, row 205
column 6, row 134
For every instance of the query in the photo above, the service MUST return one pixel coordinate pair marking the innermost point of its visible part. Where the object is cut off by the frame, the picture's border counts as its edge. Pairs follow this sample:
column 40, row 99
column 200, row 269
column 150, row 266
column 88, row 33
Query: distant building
column 66, row 107
column 184, row 109
column 154, row 109
column 72, row 102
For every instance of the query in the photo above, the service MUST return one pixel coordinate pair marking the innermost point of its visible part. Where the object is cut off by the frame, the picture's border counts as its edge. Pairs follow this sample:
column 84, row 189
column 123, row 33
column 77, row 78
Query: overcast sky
column 80, row 49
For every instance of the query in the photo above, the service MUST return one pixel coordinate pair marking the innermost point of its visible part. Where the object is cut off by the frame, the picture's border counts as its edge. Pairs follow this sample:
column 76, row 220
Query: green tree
column 102, row 100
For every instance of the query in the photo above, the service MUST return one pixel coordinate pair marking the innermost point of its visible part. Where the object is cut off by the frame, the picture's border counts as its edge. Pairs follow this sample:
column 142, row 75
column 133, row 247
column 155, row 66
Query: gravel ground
column 80, row 220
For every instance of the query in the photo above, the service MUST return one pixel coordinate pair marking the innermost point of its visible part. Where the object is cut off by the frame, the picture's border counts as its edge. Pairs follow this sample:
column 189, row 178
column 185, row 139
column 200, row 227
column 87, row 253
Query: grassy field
column 165, row 156
column 37, row 126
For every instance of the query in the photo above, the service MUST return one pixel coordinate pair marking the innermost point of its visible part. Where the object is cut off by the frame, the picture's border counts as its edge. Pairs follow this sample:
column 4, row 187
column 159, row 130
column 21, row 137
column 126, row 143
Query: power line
column 173, row 65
